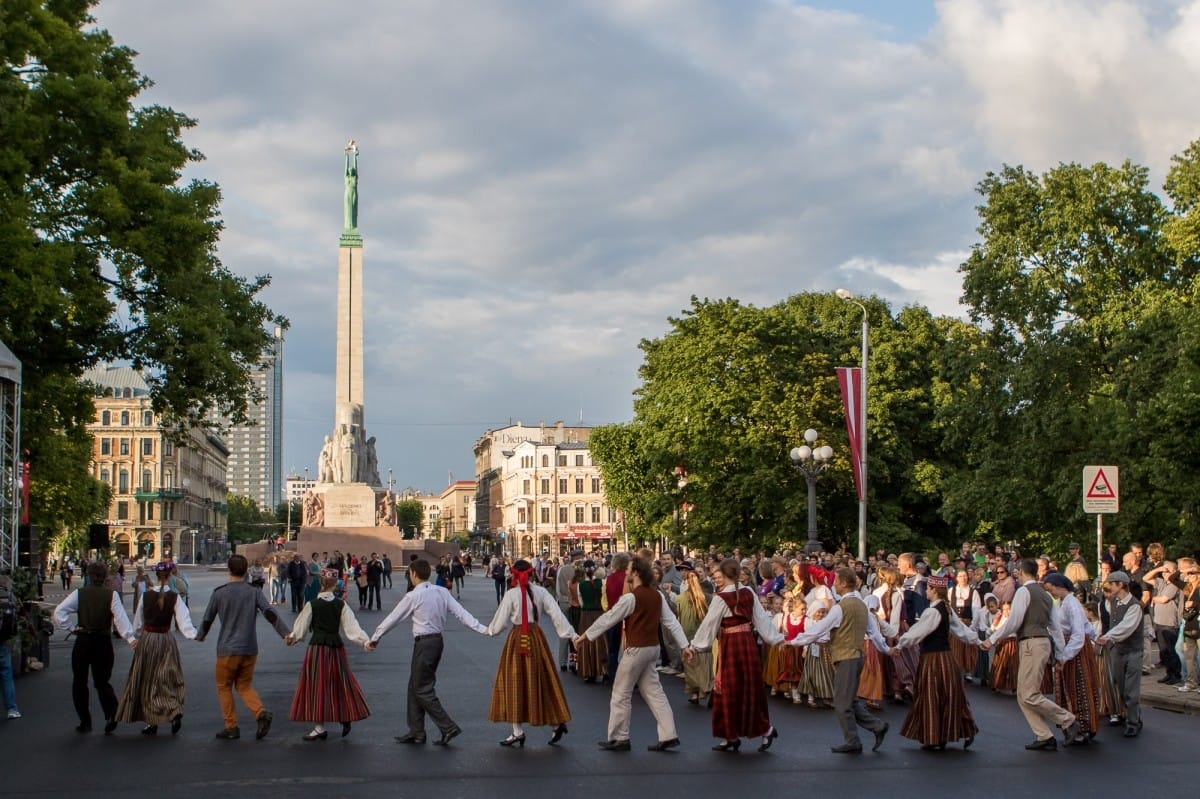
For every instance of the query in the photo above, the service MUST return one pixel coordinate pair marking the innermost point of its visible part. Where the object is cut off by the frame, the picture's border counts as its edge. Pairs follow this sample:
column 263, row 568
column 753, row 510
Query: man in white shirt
column 428, row 605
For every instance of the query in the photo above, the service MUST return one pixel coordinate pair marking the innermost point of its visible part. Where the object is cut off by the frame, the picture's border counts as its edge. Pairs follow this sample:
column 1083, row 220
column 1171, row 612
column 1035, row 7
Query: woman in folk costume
column 1002, row 676
column 693, row 605
column 592, row 656
column 939, row 713
column 772, row 653
column 791, row 659
column 817, row 681
column 982, row 625
column 964, row 601
column 527, row 688
column 327, row 690
column 154, row 692
column 1077, row 687
column 897, row 672
column 739, row 697
column 873, row 679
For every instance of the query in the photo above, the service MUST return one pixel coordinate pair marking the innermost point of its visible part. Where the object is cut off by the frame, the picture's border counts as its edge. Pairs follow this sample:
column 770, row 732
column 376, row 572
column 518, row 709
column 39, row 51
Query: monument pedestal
column 350, row 505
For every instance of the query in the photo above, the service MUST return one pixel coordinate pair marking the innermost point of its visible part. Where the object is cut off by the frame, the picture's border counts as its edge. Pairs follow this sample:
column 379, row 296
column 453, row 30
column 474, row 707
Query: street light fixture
column 811, row 461
column 862, row 429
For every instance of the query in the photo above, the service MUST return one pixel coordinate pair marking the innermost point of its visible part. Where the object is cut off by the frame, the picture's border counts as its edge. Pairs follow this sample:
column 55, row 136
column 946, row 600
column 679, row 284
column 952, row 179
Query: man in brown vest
column 1038, row 639
column 847, row 628
column 642, row 610
column 98, row 608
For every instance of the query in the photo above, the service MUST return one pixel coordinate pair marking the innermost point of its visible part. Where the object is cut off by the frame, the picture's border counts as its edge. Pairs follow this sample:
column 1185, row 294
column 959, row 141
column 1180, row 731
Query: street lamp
column 811, row 461
column 862, row 430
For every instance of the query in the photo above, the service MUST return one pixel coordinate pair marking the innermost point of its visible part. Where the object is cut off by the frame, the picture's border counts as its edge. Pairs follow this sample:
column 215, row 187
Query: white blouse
column 718, row 610
column 183, row 619
column 928, row 623
column 1075, row 625
column 509, row 612
column 348, row 626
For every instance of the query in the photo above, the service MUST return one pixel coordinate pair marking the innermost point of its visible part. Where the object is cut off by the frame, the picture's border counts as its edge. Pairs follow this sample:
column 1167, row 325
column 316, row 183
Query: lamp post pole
column 862, row 427
column 811, row 461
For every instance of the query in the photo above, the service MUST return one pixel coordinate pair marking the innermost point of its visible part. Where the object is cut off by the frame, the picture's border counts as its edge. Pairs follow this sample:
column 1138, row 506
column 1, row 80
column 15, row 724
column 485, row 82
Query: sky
column 544, row 182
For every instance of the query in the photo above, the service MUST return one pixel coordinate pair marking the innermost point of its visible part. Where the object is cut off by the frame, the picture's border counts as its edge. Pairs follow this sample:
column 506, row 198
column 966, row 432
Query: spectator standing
column 1124, row 643
column 297, row 575
column 562, row 593
column 7, row 597
column 1165, row 616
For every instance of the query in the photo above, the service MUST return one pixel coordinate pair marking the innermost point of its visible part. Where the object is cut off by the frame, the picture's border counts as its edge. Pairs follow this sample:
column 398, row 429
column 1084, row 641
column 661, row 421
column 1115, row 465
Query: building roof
column 574, row 445
column 10, row 366
column 118, row 378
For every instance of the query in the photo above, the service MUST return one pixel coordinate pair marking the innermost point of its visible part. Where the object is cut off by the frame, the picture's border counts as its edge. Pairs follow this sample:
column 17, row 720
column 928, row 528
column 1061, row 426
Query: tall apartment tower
column 256, row 450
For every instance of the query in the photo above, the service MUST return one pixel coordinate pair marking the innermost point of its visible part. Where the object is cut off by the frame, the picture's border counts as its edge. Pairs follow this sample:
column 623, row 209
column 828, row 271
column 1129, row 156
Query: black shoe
column 411, row 738
column 345, row 728
column 229, row 734
column 728, row 746
column 615, row 746
column 84, row 726
column 589, row 680
column 315, row 736
column 264, row 725
column 768, row 739
column 1132, row 731
column 880, row 734
column 559, row 732
column 1071, row 733
column 448, row 736
column 1042, row 745
column 1173, row 681
column 933, row 747
column 1165, row 679
column 514, row 740
column 176, row 724
column 663, row 746
column 562, row 666
column 967, row 743
column 150, row 729
column 846, row 749
column 110, row 727
column 693, row 700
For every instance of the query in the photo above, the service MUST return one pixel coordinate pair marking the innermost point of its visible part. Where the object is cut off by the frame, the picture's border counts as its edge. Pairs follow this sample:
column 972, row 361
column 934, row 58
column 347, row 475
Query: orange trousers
column 236, row 672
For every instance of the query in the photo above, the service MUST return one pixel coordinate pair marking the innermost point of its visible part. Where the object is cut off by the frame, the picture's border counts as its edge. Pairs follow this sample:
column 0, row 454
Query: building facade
column 170, row 498
column 256, row 448
column 456, row 511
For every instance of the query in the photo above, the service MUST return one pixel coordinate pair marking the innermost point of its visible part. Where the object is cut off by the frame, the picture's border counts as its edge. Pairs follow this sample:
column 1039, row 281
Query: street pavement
column 42, row 755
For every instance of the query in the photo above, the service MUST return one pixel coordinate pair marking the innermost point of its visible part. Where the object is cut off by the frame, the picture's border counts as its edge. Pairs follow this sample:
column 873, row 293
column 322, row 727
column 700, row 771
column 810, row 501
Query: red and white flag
column 850, row 382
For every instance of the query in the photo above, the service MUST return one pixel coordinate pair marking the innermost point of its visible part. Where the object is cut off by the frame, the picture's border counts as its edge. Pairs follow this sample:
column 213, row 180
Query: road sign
column 1100, row 489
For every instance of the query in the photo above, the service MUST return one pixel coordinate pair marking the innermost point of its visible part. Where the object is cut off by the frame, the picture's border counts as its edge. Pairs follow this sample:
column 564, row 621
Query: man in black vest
column 1038, row 639
column 1125, row 643
column 98, row 608
column 297, row 574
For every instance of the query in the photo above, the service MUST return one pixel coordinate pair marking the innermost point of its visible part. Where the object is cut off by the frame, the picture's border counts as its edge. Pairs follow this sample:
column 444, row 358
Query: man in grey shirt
column 238, row 604
column 1165, row 616
column 562, row 592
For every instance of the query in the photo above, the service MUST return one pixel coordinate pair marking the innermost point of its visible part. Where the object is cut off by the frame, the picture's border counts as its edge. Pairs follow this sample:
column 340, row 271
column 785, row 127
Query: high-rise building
column 256, row 449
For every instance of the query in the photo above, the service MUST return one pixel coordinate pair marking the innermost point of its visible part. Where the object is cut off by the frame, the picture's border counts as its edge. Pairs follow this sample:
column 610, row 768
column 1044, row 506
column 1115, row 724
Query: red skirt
column 327, row 690
column 1003, row 674
column 739, row 697
column 791, row 667
column 870, row 683
column 939, row 713
column 1079, row 688
column 527, row 688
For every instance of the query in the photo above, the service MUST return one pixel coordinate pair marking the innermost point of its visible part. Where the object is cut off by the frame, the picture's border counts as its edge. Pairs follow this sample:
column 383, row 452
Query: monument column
column 349, row 389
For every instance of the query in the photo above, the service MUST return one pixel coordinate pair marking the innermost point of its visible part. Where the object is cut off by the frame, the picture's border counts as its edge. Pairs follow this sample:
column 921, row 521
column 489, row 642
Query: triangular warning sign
column 1100, row 488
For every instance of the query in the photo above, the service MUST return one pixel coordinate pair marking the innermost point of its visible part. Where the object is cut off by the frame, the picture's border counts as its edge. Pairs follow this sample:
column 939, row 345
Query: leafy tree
column 247, row 522
column 297, row 515
column 410, row 517
column 107, row 255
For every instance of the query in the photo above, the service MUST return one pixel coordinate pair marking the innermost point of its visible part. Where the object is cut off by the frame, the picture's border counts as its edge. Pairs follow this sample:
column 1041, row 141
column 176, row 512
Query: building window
column 122, row 510
column 147, row 446
column 169, row 511
column 579, row 514
column 122, row 482
column 520, row 516
column 147, row 480
column 578, row 460
column 596, row 514
column 562, row 460
column 562, row 514
column 104, row 476
column 612, row 516
column 545, row 485
column 168, row 479
column 524, row 486
column 106, row 446
column 147, row 419
column 124, row 446
column 578, row 485
column 595, row 485
column 150, row 511
column 168, row 448
column 562, row 485
column 545, row 461
column 545, row 515
column 124, row 417
column 105, row 418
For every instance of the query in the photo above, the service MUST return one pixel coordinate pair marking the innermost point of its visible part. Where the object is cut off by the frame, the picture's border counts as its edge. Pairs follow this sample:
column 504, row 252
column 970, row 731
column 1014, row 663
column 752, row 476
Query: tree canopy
column 109, row 255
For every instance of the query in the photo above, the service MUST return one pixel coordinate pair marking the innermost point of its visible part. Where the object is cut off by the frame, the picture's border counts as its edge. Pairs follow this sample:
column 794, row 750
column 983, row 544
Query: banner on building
column 850, row 382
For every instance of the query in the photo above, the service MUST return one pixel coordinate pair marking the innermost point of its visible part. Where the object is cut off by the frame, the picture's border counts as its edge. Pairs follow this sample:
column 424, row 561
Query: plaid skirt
column 870, row 682
column 527, row 689
column 739, row 699
column 327, row 690
column 592, row 655
column 939, row 713
column 1003, row 674
column 154, row 692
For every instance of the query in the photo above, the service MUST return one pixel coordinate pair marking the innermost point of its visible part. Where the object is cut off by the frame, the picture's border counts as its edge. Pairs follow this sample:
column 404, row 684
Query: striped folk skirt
column 1111, row 703
column 939, row 713
column 154, row 692
column 904, row 666
column 1003, row 674
column 739, row 699
column 527, row 689
column 818, row 673
column 327, row 690
column 791, row 667
column 770, row 670
column 593, row 655
column 1079, row 688
column 966, row 655
column 871, row 681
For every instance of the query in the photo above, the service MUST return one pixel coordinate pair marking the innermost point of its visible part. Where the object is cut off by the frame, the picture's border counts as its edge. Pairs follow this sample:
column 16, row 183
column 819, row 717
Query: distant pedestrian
column 499, row 577
column 8, row 603
column 237, row 604
column 297, row 574
column 387, row 570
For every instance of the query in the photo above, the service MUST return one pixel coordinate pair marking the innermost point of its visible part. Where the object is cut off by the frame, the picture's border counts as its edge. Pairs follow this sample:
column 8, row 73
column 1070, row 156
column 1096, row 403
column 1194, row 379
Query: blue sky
column 543, row 183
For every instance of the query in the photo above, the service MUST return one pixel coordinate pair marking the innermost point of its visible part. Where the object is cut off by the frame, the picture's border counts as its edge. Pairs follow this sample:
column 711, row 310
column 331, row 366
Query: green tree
column 410, row 517
column 107, row 255
column 247, row 522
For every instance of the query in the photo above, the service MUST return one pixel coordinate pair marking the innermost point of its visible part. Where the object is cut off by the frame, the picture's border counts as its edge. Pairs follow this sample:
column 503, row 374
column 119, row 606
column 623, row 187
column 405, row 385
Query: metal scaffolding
column 10, row 455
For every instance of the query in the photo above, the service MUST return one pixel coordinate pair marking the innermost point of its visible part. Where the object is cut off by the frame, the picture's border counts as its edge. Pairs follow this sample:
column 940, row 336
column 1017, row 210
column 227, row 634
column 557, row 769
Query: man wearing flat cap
column 1125, row 644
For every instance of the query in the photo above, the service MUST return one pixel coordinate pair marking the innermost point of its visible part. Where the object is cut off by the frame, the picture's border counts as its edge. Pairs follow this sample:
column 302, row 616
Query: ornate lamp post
column 811, row 461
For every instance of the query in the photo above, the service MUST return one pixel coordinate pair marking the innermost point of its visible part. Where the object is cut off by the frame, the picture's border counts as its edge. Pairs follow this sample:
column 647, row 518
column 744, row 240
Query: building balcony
column 154, row 496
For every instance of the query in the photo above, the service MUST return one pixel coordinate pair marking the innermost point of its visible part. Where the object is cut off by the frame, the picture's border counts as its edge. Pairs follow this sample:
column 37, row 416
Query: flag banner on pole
column 850, row 382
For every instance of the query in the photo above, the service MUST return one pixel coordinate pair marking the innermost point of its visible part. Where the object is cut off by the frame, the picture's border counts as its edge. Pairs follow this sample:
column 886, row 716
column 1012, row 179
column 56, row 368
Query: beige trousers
column 1034, row 653
column 637, row 668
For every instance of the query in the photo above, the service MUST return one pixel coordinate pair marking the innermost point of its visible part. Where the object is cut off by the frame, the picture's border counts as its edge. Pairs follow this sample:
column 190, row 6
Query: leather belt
column 426, row 635
column 1028, row 637
column 151, row 628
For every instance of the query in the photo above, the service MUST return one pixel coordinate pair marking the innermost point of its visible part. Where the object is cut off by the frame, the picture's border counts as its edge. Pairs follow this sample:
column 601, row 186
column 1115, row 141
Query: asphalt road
column 42, row 755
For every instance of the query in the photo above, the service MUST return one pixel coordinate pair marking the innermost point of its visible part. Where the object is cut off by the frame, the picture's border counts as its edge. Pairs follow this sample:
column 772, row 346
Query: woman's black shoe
column 315, row 736
column 150, row 729
column 729, row 746
column 176, row 723
column 559, row 732
column 514, row 740
column 768, row 739
column 345, row 728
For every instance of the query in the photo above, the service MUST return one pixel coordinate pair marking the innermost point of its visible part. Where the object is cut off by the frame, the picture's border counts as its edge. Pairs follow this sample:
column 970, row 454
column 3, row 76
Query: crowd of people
column 745, row 634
